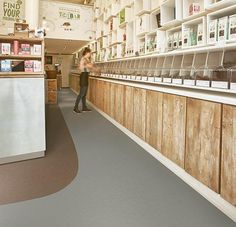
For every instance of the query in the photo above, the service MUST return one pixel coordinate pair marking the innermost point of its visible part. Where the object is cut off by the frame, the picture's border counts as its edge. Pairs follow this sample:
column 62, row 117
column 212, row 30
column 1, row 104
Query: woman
column 85, row 67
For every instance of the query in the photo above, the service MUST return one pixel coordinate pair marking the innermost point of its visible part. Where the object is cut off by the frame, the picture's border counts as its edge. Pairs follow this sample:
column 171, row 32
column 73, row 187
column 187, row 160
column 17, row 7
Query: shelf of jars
column 213, row 70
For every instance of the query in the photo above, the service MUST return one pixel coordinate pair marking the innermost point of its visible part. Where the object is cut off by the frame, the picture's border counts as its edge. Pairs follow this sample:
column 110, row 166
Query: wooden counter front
column 197, row 135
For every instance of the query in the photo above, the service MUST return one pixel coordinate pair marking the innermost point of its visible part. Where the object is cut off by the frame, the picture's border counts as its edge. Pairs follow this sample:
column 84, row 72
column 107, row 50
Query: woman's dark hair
column 86, row 50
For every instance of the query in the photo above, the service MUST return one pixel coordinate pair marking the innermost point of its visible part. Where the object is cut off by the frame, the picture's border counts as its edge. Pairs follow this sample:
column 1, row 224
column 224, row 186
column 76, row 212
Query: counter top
column 22, row 75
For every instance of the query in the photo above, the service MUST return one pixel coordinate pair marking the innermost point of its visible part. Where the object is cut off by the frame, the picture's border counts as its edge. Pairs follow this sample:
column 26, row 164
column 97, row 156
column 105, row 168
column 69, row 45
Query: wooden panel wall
column 187, row 131
column 113, row 100
column 228, row 174
column 139, row 128
column 120, row 104
column 154, row 119
column 107, row 98
column 203, row 141
column 129, row 108
column 173, row 134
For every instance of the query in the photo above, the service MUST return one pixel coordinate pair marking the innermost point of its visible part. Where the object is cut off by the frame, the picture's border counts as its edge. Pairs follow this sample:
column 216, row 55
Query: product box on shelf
column 16, row 47
column 176, row 40
column 5, row 65
column 193, row 36
column 186, row 37
column 170, row 40
column 223, row 29
column 37, row 49
column 17, row 65
column 29, row 66
column 6, row 48
column 194, row 8
column 232, row 27
column 180, row 39
column 21, row 30
column 37, row 66
column 200, row 34
column 212, row 31
column 25, row 49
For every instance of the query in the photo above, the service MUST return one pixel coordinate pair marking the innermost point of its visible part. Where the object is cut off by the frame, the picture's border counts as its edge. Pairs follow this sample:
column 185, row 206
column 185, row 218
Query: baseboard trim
column 22, row 157
column 214, row 198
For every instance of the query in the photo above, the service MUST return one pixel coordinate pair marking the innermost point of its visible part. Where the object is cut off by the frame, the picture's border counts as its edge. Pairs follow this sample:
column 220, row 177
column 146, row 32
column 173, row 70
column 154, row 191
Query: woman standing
column 85, row 67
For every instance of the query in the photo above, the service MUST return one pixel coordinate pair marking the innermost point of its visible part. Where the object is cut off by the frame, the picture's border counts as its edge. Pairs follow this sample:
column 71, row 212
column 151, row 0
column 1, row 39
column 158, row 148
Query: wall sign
column 66, row 20
column 10, row 11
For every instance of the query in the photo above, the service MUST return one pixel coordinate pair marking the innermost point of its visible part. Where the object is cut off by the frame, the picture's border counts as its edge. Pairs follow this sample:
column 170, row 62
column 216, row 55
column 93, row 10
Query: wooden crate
column 52, row 84
column 228, row 160
column 51, row 97
column 203, row 132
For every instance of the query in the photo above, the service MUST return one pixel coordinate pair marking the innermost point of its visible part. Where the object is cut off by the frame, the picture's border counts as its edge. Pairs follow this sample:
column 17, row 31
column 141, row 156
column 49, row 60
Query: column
column 32, row 13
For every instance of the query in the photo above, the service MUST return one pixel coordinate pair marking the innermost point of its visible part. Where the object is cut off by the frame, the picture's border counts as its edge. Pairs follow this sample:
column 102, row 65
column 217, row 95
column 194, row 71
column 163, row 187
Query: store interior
column 158, row 147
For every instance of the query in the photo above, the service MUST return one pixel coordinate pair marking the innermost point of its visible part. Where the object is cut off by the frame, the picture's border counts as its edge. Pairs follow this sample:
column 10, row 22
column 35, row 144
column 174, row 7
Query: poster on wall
column 10, row 11
column 66, row 20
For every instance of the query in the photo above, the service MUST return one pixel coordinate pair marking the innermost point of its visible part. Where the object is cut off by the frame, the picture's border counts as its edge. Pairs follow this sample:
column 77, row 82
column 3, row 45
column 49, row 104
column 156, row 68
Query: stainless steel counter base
column 22, row 119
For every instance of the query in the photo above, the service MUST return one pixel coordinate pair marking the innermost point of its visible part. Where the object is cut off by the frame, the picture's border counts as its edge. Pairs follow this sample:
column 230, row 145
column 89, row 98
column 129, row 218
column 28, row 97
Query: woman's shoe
column 86, row 109
column 76, row 111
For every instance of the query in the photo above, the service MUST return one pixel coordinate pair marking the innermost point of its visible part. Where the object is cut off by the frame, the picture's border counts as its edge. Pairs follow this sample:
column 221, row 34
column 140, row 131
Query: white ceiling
column 61, row 46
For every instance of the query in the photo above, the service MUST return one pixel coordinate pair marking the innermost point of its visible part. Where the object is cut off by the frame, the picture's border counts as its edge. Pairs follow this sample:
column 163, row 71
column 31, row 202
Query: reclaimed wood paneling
column 228, row 161
column 113, row 100
column 129, row 108
column 154, row 119
column 107, row 104
column 203, row 131
column 120, row 103
column 140, row 112
column 173, row 134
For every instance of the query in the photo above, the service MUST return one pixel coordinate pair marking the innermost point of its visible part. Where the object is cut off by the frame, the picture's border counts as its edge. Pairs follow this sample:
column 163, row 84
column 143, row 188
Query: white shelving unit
column 174, row 38
column 142, row 24
column 215, row 4
column 193, row 8
column 217, row 32
column 171, row 13
column 194, row 33
column 139, row 29
column 142, row 7
column 155, row 20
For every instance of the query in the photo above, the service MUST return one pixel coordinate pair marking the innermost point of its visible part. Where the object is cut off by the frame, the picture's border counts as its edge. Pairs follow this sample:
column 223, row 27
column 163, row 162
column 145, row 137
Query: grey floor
column 118, row 185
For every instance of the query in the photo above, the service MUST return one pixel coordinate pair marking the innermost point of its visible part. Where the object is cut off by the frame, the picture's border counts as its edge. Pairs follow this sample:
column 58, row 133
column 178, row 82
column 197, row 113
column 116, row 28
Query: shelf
column 20, row 56
column 195, row 50
column 12, row 38
column 21, row 74
column 140, row 13
column 220, row 5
